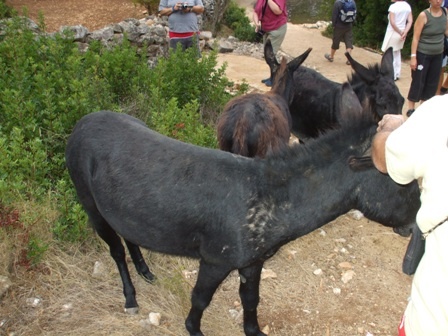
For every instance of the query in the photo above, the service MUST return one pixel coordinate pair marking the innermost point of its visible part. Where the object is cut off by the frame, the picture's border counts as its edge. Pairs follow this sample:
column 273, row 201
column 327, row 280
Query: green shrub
column 235, row 18
column 5, row 10
column 47, row 85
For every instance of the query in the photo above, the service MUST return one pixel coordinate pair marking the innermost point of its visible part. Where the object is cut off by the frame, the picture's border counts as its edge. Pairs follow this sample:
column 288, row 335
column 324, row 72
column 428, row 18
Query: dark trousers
column 425, row 78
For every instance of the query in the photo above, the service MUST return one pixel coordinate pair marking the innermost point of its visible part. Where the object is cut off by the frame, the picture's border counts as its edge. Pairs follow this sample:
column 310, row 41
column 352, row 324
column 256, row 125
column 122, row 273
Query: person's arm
column 275, row 8
column 393, row 23
column 388, row 124
column 418, row 27
column 256, row 21
column 406, row 30
column 167, row 11
column 197, row 9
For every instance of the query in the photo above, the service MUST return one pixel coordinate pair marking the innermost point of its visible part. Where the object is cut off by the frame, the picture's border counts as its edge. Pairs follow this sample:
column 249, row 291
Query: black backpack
column 347, row 13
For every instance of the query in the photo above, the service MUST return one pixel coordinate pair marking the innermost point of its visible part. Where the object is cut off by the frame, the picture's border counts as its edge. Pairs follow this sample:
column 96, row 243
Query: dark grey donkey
column 229, row 211
column 314, row 106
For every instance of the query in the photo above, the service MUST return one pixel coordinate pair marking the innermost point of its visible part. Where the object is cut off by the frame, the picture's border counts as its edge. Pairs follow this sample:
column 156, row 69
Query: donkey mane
column 343, row 143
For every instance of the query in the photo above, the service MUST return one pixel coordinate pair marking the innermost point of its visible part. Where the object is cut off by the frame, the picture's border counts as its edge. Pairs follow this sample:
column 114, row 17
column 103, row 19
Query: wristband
column 413, row 55
column 172, row 8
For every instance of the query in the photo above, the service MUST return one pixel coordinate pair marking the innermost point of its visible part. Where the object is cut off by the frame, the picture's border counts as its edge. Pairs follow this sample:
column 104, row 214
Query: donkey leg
column 117, row 252
column 209, row 278
column 250, row 297
column 139, row 263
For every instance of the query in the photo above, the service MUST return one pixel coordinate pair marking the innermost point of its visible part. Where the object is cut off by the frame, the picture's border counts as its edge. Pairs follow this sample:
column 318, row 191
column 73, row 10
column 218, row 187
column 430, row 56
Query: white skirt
column 392, row 39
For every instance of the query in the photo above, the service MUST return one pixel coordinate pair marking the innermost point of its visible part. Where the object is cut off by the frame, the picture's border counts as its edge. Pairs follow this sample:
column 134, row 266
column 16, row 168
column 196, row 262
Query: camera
column 185, row 6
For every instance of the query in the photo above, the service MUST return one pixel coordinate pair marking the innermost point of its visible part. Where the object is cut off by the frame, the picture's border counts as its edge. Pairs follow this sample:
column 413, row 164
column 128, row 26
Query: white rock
column 33, row 302
column 268, row 273
column 336, row 291
column 189, row 274
column 98, row 269
column 356, row 214
column 317, row 271
column 347, row 276
column 266, row 329
column 235, row 313
column 5, row 283
column 154, row 318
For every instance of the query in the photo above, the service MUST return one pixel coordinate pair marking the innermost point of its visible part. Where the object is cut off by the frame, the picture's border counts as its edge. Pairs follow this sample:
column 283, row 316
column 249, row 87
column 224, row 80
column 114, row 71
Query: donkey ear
column 360, row 69
column 349, row 105
column 360, row 163
column 387, row 68
column 296, row 62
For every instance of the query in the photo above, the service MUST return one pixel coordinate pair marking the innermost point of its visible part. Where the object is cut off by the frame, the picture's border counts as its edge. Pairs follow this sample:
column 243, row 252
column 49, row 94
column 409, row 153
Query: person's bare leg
column 332, row 52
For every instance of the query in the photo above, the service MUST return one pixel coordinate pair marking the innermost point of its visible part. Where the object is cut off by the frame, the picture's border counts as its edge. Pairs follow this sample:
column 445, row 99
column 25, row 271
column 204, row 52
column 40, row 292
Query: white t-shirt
column 401, row 9
column 419, row 148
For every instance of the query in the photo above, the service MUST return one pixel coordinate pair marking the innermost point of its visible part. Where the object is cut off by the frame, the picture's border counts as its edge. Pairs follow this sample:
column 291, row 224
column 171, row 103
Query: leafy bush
column 5, row 10
column 47, row 84
column 235, row 18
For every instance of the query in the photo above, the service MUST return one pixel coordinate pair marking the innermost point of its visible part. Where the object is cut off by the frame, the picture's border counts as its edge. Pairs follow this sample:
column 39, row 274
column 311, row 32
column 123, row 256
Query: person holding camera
column 182, row 22
column 270, row 16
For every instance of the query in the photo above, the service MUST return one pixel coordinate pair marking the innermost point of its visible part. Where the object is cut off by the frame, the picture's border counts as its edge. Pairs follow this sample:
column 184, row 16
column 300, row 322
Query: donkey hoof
column 131, row 311
column 148, row 277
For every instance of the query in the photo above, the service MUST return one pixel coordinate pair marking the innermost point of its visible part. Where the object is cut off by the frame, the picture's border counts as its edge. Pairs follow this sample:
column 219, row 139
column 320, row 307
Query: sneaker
column 268, row 82
column 328, row 57
column 396, row 78
column 409, row 112
column 265, row 80
column 443, row 90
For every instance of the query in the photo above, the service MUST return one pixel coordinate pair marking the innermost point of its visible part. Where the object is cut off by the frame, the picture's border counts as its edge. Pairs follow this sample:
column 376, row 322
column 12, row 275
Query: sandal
column 409, row 112
column 328, row 57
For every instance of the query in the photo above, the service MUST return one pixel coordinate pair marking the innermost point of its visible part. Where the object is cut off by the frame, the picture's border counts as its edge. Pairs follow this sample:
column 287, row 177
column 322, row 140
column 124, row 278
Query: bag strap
column 264, row 9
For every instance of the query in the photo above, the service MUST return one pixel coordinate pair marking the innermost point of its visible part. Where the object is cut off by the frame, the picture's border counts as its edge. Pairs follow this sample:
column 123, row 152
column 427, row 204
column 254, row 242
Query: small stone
column 345, row 264
column 236, row 314
column 33, row 302
column 317, row 271
column 347, row 276
column 67, row 306
column 336, row 291
column 268, row 273
column 356, row 214
column 266, row 329
column 154, row 318
column 189, row 274
column 5, row 283
column 98, row 270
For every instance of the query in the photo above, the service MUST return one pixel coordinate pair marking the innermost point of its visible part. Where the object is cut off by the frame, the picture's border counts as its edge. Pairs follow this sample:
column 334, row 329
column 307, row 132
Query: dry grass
column 297, row 302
